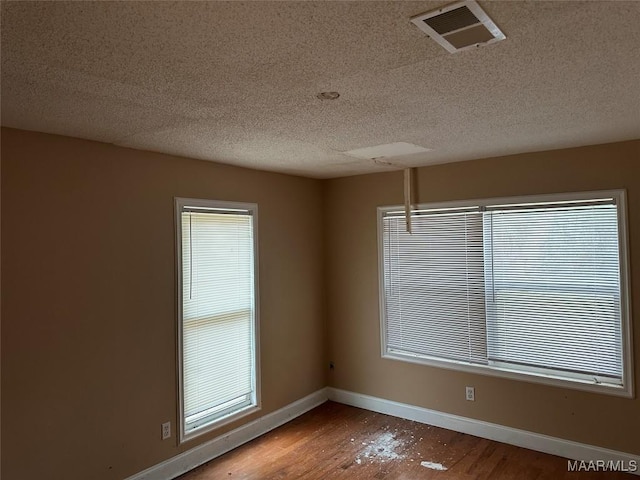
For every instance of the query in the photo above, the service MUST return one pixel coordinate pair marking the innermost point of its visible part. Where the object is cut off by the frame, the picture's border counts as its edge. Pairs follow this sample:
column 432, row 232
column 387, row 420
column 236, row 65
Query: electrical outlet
column 470, row 393
column 166, row 430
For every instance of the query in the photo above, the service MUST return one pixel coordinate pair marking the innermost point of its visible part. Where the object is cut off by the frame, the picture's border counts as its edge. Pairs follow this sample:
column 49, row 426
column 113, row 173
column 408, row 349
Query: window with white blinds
column 532, row 288
column 217, row 317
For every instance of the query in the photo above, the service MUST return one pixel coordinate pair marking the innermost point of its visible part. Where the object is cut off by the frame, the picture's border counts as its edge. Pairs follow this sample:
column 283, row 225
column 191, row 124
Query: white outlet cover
column 470, row 393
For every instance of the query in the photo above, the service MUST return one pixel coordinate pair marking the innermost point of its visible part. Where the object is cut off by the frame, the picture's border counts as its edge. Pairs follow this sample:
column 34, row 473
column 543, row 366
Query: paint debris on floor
column 433, row 466
column 383, row 448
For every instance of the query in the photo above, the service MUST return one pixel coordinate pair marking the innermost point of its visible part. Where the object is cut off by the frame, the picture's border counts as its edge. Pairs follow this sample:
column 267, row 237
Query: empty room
column 320, row 239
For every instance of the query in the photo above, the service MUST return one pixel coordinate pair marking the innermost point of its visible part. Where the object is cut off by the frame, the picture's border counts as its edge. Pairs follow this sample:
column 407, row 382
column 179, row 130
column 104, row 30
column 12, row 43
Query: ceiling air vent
column 459, row 26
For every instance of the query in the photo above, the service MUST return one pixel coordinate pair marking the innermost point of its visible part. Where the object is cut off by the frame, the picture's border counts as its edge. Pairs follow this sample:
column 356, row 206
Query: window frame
column 256, row 402
column 627, row 389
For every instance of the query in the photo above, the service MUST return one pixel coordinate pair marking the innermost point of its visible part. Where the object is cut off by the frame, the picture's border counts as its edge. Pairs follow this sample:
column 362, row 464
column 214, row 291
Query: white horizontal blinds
column 217, row 312
column 434, row 286
column 553, row 288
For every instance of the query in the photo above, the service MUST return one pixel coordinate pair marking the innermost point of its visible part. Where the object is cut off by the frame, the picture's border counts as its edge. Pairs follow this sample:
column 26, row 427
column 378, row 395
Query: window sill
column 608, row 389
column 206, row 428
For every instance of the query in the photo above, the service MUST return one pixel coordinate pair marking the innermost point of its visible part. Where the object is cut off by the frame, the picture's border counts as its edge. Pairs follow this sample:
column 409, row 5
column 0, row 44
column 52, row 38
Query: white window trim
column 626, row 390
column 256, row 404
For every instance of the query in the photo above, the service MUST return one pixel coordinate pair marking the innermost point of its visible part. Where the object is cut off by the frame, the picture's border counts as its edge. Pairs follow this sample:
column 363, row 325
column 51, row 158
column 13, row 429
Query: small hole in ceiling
column 328, row 95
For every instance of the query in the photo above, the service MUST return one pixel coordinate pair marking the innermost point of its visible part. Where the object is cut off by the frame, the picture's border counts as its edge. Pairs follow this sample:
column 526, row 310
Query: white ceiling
column 236, row 82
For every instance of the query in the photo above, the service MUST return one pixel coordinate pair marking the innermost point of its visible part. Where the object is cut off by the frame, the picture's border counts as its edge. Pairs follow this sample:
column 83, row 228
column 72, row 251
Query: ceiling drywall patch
column 388, row 150
column 459, row 26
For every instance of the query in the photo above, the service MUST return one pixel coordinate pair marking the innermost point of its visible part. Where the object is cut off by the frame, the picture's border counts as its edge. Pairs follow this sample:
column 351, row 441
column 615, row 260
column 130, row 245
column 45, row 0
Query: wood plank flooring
column 335, row 441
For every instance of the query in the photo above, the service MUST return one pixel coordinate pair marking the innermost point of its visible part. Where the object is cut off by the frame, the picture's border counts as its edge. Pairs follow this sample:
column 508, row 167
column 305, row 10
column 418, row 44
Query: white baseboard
column 513, row 436
column 205, row 452
column 182, row 463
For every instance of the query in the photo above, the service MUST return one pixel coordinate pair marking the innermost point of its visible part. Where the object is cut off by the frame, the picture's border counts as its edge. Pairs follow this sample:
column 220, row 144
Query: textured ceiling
column 236, row 82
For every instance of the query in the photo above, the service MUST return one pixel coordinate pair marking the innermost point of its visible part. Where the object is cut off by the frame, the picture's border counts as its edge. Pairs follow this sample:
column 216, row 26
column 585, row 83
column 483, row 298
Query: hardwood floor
column 343, row 442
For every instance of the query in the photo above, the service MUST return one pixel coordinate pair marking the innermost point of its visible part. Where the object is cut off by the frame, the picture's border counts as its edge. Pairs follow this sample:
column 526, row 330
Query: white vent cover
column 459, row 26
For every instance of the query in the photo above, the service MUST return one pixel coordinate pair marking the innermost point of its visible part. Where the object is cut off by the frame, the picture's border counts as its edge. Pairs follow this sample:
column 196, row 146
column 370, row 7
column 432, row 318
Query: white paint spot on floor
column 433, row 466
column 383, row 447
column 358, row 461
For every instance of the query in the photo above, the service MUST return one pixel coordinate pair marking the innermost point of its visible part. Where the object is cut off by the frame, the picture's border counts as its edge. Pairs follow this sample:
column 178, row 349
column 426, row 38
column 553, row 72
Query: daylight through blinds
column 532, row 288
column 217, row 313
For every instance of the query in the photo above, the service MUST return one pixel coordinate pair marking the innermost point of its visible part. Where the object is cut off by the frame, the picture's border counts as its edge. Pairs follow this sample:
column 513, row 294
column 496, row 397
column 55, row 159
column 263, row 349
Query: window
column 530, row 288
column 217, row 317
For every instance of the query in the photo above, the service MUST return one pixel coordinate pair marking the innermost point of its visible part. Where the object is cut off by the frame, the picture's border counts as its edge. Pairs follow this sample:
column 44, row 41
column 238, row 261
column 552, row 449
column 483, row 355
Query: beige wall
column 352, row 292
column 88, row 300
